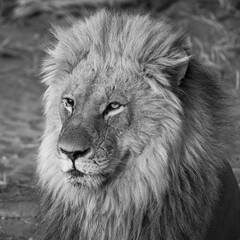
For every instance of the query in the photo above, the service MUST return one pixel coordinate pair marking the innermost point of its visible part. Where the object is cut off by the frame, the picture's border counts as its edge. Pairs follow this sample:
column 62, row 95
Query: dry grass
column 223, row 49
column 3, row 182
column 28, row 7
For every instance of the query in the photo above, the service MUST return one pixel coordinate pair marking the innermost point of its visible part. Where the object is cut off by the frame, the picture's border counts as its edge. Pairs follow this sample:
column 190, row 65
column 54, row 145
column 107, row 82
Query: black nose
column 75, row 154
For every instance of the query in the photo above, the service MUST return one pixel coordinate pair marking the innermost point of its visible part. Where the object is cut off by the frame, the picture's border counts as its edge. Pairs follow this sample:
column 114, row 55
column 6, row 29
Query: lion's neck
column 102, row 216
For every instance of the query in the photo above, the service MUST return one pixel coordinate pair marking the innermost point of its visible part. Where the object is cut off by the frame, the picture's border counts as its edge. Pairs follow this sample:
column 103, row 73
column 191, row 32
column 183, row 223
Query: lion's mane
column 171, row 191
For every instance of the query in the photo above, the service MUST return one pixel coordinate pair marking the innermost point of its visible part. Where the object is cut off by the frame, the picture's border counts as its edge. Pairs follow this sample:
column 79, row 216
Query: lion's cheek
column 121, row 123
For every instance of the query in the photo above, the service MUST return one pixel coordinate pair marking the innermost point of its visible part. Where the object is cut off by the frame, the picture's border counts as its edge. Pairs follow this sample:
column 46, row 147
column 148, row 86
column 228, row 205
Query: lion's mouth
column 81, row 179
column 78, row 176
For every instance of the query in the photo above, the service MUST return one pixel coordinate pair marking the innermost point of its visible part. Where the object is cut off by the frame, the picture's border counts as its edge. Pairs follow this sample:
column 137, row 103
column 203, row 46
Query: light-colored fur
column 170, row 183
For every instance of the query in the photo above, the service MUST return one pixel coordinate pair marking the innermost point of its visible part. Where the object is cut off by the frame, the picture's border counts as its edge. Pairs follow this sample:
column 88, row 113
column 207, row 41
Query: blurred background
column 214, row 26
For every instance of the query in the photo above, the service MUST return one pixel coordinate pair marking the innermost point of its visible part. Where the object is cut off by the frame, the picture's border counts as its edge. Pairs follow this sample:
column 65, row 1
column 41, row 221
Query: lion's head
column 132, row 139
column 109, row 97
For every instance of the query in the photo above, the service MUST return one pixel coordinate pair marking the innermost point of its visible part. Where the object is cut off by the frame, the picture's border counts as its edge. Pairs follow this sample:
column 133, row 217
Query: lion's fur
column 170, row 189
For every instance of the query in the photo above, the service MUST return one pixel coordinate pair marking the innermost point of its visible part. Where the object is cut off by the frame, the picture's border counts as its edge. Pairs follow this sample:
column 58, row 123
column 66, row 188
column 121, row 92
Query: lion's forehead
column 101, row 84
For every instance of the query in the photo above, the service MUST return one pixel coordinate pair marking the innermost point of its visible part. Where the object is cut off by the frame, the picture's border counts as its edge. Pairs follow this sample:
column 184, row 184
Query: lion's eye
column 68, row 103
column 113, row 108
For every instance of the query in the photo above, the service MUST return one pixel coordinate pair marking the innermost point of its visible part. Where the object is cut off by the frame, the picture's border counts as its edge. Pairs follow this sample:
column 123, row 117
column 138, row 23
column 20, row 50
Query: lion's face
column 100, row 110
column 96, row 112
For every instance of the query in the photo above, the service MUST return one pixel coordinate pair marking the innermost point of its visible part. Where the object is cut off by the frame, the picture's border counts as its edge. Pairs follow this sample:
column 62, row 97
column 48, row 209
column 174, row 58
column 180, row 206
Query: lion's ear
column 179, row 71
column 169, row 64
column 180, row 62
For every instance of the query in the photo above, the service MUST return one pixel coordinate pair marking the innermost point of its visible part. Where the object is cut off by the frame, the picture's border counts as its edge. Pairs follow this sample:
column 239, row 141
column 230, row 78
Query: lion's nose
column 73, row 155
column 75, row 142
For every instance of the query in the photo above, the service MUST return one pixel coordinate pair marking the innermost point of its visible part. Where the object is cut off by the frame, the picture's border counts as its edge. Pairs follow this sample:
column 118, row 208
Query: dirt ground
column 21, row 113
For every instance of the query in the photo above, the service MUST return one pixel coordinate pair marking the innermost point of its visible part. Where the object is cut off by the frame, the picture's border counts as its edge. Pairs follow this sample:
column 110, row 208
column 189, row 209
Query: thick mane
column 175, row 182
column 143, row 43
column 199, row 156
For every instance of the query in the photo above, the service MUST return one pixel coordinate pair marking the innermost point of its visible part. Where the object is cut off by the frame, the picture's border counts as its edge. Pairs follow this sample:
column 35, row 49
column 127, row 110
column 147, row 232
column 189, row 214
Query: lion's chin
column 80, row 179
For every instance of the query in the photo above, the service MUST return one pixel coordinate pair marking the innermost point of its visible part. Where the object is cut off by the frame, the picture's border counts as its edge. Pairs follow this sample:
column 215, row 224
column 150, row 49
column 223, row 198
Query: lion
column 136, row 132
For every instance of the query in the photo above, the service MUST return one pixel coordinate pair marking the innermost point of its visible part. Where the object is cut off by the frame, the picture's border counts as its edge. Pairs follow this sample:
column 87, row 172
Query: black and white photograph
column 119, row 119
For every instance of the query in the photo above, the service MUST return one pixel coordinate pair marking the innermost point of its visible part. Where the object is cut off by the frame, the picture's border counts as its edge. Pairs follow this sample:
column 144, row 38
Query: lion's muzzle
column 75, row 145
column 81, row 149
